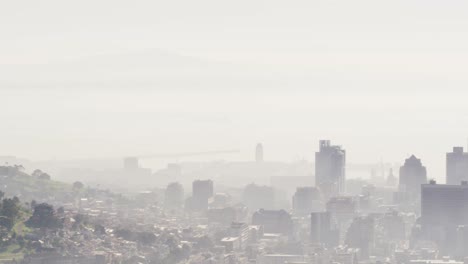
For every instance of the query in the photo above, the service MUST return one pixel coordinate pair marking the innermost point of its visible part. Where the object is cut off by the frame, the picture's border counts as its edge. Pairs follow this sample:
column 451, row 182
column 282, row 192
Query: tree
column 37, row 173
column 204, row 242
column 60, row 210
column 33, row 204
column 99, row 230
column 44, row 217
column 146, row 238
column 10, row 211
column 19, row 167
column 78, row 185
column 44, row 176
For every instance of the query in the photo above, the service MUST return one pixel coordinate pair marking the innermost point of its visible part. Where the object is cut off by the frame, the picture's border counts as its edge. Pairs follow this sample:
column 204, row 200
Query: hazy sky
column 107, row 78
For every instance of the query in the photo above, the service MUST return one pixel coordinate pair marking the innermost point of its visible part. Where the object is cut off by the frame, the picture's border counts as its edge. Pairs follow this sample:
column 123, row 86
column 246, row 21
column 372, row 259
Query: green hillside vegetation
column 37, row 186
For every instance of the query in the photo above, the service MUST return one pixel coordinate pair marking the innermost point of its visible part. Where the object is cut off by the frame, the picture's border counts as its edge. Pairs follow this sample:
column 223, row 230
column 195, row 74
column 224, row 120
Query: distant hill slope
column 27, row 187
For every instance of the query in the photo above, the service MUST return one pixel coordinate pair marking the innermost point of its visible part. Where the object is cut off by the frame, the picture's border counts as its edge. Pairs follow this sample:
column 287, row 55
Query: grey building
column 307, row 200
column 444, row 205
column 323, row 229
column 457, row 166
column 202, row 191
column 131, row 163
column 361, row 234
column 273, row 221
column 444, row 209
column 330, row 164
column 174, row 196
column 412, row 175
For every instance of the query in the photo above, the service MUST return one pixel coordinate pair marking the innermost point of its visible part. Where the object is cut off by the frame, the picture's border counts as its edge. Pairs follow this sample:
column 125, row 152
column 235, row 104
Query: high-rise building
column 323, row 230
column 273, row 221
column 259, row 153
column 444, row 205
column 240, row 230
column 132, row 169
column 307, row 200
column 202, row 191
column 457, row 166
column 174, row 196
column 361, row 235
column 393, row 225
column 343, row 209
column 330, row 164
column 412, row 175
column 443, row 210
column 131, row 163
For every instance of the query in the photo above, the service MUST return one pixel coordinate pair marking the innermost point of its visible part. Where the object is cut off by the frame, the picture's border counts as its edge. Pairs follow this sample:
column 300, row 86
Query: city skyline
column 234, row 132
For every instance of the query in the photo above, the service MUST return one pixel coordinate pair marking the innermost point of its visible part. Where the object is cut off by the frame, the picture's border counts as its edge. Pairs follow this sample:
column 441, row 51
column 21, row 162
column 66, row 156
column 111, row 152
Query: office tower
column 457, row 166
column 323, row 229
column 174, row 196
column 443, row 209
column 461, row 248
column 259, row 153
column 242, row 231
column 330, row 164
column 393, row 225
column 412, row 175
column 202, row 191
column 131, row 163
column 307, row 200
column 361, row 235
column 444, row 205
column 132, row 170
column 343, row 209
column 273, row 221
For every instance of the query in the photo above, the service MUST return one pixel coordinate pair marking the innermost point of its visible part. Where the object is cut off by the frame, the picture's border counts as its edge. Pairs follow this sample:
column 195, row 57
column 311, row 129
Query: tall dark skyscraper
column 330, row 164
column 457, row 166
column 259, row 153
column 444, row 208
column 444, row 205
column 202, row 191
column 412, row 175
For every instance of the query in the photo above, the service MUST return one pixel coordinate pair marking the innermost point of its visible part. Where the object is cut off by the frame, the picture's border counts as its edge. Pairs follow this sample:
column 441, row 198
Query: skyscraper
column 323, row 229
column 174, row 196
column 307, row 200
column 330, row 164
column 360, row 235
column 273, row 221
column 202, row 191
column 131, row 163
column 412, row 175
column 457, row 166
column 443, row 210
column 444, row 205
column 259, row 153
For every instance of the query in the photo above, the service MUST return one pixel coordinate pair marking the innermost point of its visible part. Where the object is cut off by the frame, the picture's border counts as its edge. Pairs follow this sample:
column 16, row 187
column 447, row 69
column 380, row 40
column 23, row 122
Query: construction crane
column 132, row 162
column 189, row 154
